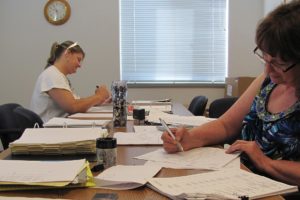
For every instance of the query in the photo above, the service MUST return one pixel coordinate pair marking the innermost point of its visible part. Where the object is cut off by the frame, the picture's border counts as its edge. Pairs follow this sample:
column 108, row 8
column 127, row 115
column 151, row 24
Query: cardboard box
column 235, row 86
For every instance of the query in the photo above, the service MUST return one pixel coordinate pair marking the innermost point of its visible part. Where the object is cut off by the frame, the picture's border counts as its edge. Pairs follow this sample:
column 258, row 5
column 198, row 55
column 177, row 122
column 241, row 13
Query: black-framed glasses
column 260, row 54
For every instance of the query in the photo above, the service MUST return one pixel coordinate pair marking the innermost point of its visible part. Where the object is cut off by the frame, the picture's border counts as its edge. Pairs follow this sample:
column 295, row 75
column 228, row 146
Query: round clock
column 57, row 12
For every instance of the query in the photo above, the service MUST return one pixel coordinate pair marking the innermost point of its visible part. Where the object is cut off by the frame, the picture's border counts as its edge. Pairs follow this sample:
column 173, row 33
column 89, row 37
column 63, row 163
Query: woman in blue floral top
column 267, row 115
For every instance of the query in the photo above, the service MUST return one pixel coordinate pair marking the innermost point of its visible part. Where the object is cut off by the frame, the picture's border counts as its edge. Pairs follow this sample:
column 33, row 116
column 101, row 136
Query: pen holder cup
column 106, row 150
column 138, row 116
column 119, row 97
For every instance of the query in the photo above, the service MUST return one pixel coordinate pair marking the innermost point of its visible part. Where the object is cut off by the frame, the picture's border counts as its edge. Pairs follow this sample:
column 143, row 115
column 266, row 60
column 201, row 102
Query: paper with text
column 224, row 184
column 199, row 158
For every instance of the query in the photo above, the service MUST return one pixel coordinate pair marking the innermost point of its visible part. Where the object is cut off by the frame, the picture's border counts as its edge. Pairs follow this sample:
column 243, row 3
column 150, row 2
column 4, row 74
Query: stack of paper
column 224, row 184
column 154, row 116
column 20, row 175
column 56, row 141
column 67, row 122
column 122, row 177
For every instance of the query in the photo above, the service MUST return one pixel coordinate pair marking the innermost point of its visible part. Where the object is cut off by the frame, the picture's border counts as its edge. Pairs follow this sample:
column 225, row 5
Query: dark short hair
column 278, row 34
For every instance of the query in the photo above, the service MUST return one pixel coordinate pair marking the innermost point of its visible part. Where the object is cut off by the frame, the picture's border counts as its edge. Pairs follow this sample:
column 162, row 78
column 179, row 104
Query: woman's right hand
column 181, row 135
column 102, row 92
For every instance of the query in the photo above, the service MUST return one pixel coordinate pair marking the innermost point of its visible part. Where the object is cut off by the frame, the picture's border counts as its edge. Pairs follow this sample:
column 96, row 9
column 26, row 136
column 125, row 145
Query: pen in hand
column 171, row 134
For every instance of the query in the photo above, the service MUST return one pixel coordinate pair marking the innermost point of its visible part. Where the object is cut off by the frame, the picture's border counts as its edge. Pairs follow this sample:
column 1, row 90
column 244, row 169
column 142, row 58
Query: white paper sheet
column 91, row 116
column 100, row 109
column 124, row 177
column 199, row 158
column 224, row 184
column 154, row 116
column 19, row 171
column 67, row 122
column 143, row 135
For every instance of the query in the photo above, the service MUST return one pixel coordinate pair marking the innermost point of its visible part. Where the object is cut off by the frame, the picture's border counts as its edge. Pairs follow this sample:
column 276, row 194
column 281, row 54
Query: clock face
column 57, row 11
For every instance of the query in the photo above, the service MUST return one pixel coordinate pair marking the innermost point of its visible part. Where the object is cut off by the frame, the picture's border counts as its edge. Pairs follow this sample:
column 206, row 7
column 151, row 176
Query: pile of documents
column 57, row 141
column 224, row 184
column 24, row 175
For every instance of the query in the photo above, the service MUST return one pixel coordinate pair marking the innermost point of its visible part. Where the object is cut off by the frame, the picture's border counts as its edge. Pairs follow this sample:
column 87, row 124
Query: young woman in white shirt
column 53, row 95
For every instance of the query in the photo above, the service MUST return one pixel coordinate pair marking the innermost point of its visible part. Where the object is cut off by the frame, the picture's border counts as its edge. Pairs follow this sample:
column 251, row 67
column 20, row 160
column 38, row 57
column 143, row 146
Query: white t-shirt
column 41, row 102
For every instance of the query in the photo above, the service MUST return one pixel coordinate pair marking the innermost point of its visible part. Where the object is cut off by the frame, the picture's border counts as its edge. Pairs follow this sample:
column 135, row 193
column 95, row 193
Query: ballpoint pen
column 171, row 134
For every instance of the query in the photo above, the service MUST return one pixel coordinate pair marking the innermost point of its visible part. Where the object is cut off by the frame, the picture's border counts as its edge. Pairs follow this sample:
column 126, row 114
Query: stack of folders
column 57, row 141
column 26, row 175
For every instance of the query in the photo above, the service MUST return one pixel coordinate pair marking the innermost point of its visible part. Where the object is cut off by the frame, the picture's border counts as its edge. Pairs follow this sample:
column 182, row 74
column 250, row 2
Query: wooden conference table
column 125, row 156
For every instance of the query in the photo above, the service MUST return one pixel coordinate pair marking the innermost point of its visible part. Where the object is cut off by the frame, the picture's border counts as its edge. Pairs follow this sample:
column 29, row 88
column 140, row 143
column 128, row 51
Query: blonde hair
column 58, row 49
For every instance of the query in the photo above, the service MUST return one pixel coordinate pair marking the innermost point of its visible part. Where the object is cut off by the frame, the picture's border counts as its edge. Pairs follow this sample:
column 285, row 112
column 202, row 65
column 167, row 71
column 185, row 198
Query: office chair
column 198, row 105
column 14, row 119
column 219, row 106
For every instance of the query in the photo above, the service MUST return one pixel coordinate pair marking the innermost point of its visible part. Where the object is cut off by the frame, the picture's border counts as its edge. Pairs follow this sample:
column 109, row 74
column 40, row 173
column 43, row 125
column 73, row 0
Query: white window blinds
column 173, row 41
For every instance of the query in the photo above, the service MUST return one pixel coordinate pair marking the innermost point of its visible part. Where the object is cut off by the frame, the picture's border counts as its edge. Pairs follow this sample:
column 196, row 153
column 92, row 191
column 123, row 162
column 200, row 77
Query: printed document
column 199, row 158
column 223, row 184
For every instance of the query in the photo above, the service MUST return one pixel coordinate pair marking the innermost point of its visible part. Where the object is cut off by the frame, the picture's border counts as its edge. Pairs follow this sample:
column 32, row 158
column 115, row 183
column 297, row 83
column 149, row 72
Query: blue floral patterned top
column 278, row 135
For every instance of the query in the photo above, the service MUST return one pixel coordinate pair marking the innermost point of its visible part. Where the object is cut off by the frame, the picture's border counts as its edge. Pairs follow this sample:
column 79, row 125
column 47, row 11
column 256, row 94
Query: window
column 173, row 41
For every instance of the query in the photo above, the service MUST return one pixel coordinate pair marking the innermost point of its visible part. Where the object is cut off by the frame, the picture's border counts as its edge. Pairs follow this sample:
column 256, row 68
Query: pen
column 171, row 134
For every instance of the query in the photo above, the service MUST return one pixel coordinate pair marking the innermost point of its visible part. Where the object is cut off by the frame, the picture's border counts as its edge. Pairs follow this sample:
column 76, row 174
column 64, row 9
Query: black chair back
column 219, row 106
column 198, row 105
column 14, row 119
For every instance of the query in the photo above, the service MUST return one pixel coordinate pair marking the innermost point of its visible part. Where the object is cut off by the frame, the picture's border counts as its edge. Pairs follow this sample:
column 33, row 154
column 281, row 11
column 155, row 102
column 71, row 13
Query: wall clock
column 57, row 12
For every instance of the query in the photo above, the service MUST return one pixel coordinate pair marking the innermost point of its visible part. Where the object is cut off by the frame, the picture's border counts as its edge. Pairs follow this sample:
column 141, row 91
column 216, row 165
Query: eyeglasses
column 261, row 56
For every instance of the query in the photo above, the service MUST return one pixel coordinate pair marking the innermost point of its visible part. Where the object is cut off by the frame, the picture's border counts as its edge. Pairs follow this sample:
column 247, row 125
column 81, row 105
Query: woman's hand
column 252, row 150
column 181, row 135
column 103, row 93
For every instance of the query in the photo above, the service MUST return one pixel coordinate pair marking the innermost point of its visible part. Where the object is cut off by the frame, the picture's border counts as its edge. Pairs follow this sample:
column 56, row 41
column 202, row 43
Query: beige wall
column 26, row 37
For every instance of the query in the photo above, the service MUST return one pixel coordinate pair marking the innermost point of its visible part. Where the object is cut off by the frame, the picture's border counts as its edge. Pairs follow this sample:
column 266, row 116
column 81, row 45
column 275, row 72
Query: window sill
column 175, row 84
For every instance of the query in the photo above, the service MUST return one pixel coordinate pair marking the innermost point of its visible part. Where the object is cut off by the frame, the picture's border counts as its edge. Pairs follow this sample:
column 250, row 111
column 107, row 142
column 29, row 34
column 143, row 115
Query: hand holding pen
column 179, row 146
